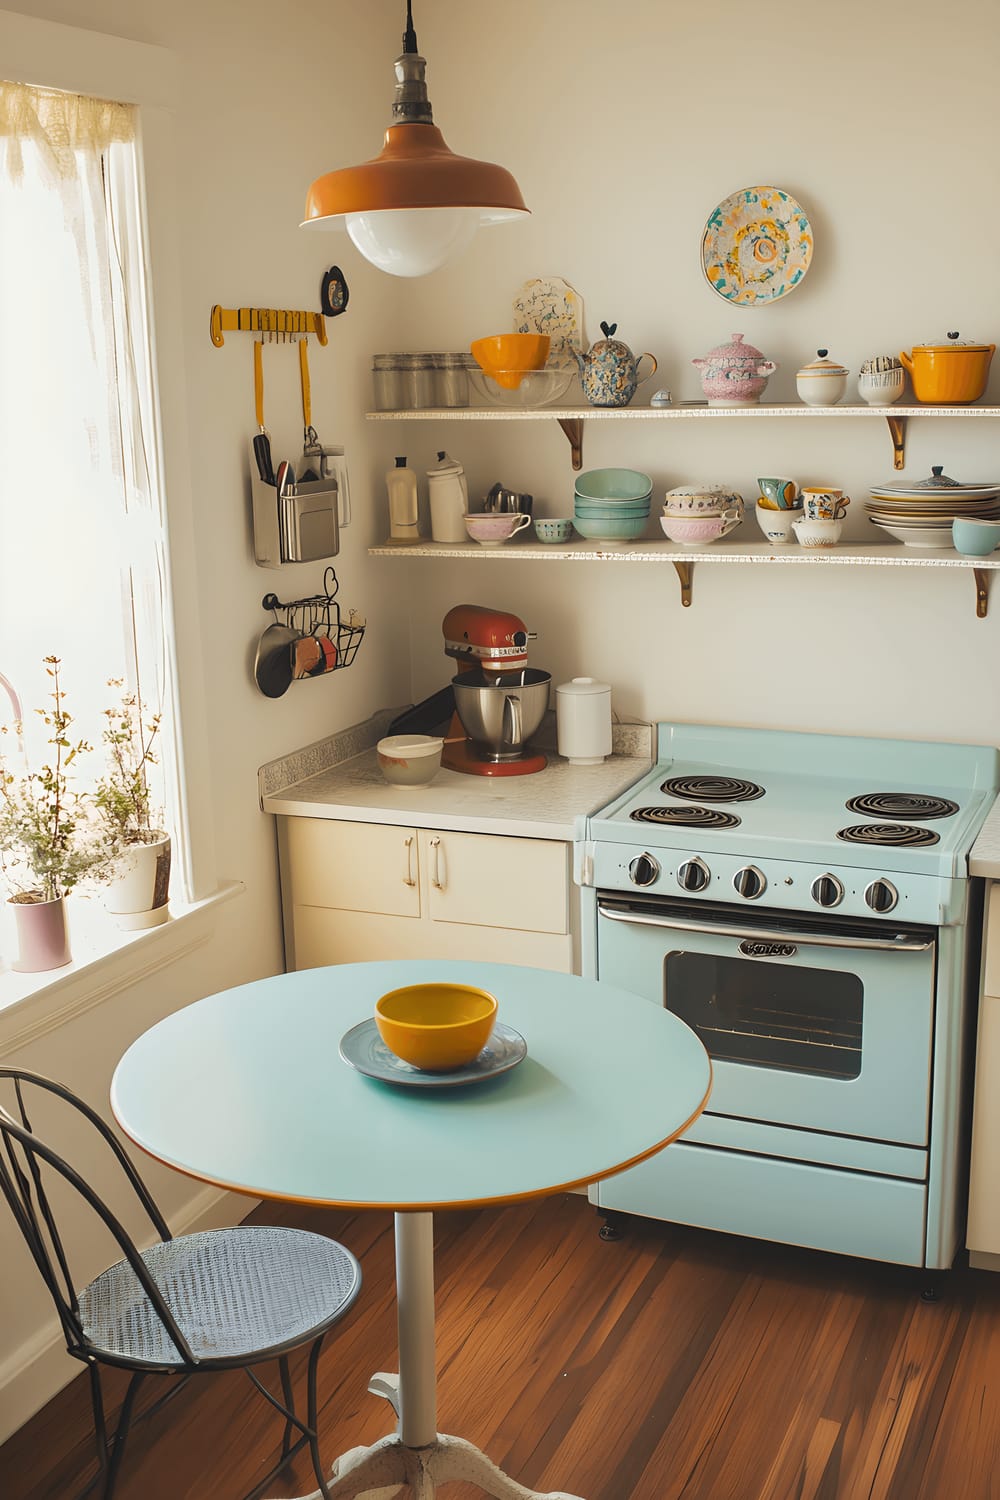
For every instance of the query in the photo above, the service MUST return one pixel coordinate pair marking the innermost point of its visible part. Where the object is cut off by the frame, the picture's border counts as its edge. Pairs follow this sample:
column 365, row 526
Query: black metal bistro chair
column 220, row 1300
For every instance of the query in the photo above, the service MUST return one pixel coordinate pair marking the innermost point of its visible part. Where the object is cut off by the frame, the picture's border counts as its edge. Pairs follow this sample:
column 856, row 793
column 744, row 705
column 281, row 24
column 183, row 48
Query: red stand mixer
column 499, row 700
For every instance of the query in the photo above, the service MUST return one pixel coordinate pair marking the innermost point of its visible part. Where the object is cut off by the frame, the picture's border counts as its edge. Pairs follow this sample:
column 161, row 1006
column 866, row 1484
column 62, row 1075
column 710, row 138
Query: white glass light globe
column 412, row 241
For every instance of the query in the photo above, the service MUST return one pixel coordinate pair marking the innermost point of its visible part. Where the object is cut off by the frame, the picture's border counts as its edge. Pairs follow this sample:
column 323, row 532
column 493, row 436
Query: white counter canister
column 583, row 721
column 448, row 493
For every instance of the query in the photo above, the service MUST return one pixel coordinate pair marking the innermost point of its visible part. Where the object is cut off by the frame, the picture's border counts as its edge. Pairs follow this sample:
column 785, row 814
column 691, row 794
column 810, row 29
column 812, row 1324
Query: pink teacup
column 492, row 528
column 695, row 531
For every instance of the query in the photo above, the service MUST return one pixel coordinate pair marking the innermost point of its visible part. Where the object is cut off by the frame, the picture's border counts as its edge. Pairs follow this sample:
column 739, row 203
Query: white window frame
column 49, row 54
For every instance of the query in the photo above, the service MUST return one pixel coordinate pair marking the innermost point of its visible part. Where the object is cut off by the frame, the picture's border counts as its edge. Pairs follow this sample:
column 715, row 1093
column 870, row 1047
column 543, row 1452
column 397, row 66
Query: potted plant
column 48, row 841
column 139, row 887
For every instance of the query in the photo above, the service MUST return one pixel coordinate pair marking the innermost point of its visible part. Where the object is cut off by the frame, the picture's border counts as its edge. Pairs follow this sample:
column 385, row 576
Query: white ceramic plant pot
column 42, row 936
column 139, row 890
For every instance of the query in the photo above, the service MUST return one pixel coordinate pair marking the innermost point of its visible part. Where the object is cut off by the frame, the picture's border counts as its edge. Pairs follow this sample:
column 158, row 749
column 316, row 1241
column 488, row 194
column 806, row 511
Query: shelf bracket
column 685, row 572
column 573, row 428
column 897, row 428
column 982, row 577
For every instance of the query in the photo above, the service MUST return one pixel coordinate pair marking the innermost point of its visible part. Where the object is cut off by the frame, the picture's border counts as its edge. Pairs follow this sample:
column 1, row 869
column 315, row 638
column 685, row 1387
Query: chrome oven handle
column 759, row 935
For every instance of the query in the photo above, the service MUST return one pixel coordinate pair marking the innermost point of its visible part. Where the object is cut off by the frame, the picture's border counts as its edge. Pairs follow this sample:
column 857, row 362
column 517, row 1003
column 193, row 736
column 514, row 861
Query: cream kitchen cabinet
column 983, row 1237
column 353, row 891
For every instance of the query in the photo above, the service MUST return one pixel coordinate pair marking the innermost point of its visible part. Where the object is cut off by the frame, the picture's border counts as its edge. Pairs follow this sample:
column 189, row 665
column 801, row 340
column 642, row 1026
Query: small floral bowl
column 694, row 531
column 548, row 530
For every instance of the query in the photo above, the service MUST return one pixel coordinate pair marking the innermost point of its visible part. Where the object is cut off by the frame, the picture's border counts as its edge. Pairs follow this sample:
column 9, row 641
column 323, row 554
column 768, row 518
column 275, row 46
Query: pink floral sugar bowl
column 734, row 374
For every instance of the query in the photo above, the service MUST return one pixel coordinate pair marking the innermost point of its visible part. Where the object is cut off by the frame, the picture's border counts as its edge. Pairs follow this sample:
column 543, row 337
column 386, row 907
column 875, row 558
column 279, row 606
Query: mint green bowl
column 614, row 484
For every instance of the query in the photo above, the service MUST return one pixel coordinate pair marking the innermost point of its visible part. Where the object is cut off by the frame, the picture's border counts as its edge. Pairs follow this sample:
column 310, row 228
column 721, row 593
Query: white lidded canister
column 583, row 721
column 448, row 493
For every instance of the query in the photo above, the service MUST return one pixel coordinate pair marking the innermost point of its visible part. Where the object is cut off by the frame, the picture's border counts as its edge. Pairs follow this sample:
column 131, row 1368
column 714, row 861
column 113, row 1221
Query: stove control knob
column 881, row 895
column 643, row 870
column 827, row 890
column 693, row 875
column 750, row 882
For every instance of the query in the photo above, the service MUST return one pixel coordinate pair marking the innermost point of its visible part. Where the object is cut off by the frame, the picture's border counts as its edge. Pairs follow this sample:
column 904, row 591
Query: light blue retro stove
column 803, row 902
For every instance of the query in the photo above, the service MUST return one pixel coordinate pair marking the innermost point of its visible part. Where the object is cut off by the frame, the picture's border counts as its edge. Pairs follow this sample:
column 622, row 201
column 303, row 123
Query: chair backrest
column 23, row 1179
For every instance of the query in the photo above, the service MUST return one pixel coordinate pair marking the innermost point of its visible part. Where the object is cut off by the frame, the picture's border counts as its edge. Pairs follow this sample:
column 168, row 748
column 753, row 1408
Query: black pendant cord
column 409, row 35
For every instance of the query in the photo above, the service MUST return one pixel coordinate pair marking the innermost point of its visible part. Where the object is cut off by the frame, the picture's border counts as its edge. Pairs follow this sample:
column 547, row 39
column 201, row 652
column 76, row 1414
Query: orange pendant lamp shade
column 416, row 204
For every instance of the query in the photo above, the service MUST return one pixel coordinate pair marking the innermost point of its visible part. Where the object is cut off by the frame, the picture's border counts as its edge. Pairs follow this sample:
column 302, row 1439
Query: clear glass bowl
column 534, row 387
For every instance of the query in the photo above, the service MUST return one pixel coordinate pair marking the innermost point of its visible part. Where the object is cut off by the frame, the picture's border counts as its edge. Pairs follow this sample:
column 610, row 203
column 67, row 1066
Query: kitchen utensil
column 609, row 371
column 881, row 380
column 363, row 1049
column 734, row 374
column 273, row 665
column 611, row 529
column 779, row 492
column 821, row 503
column 756, row 246
column 822, row 382
column 975, row 538
column 613, row 484
column 533, row 388
column 448, row 494
column 699, row 500
column 262, row 456
column 776, row 524
column 554, row 530
column 409, row 759
column 695, row 531
column 583, row 721
column 500, row 711
column 494, row 642
column 436, row 1027
column 817, row 532
column 494, row 529
column 505, row 357
column 949, row 374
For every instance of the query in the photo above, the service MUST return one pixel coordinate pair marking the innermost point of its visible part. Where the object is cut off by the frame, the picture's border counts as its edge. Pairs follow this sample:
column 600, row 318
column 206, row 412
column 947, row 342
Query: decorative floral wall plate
column 757, row 246
column 548, row 305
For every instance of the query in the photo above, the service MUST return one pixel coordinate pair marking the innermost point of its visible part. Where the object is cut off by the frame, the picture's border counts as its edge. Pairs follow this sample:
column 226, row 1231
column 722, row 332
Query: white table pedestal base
column 418, row 1456
column 377, row 1472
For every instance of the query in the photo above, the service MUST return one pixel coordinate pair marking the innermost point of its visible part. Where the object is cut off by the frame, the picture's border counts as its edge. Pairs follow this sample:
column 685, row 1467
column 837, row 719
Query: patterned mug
column 778, row 492
column 822, row 503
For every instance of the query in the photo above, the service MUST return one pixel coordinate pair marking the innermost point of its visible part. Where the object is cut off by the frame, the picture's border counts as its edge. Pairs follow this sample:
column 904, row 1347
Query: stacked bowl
column 612, row 505
column 694, row 514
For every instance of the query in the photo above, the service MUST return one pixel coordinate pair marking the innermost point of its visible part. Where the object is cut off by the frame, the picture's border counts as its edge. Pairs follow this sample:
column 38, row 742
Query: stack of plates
column 920, row 515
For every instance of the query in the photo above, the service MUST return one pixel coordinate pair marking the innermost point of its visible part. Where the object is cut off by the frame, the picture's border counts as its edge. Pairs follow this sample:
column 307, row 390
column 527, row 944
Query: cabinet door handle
column 436, row 880
column 408, row 846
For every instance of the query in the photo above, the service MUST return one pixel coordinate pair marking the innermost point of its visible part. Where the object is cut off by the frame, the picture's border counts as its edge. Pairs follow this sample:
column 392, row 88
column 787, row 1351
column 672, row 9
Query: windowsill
column 105, row 961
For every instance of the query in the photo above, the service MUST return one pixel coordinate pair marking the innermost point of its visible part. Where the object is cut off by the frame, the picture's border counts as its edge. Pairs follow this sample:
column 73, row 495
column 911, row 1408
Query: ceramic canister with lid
column 822, row 382
column 448, row 493
column 583, row 721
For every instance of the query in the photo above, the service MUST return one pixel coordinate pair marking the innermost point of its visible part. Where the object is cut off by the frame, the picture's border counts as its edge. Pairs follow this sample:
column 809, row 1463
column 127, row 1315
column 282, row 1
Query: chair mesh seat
column 233, row 1292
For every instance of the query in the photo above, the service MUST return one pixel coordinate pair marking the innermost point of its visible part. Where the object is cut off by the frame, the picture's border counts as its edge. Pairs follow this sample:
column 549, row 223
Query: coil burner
column 685, row 817
column 897, row 835
column 712, row 788
column 901, row 805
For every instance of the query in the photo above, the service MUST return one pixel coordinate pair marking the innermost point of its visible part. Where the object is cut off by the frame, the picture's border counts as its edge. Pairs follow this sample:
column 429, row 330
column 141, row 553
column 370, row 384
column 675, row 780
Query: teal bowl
column 611, row 530
column 614, row 484
column 974, row 538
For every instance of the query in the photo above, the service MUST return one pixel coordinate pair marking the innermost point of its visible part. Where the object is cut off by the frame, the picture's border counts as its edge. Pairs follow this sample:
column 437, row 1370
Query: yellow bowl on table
column 507, row 357
column 436, row 1027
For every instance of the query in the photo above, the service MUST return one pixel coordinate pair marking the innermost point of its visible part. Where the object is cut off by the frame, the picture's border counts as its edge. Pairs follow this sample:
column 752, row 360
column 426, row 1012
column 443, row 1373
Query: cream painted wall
column 625, row 125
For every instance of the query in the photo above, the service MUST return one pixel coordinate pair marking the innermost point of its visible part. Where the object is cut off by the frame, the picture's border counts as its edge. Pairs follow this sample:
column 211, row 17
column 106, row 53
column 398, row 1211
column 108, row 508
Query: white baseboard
column 984, row 1260
column 36, row 1371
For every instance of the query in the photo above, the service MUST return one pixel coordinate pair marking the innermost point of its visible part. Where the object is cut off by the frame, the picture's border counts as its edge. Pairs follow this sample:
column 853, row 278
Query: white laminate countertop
column 984, row 856
column 541, row 805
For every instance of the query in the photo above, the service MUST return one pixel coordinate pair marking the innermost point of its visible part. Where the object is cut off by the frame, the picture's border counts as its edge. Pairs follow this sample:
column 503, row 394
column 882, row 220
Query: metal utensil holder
column 320, row 616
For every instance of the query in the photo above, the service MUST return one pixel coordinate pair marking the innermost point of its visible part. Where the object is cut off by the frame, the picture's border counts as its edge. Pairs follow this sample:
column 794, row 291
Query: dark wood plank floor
column 671, row 1365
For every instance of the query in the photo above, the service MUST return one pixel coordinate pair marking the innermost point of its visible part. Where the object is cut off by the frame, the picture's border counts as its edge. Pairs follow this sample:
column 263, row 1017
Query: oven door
column 822, row 1025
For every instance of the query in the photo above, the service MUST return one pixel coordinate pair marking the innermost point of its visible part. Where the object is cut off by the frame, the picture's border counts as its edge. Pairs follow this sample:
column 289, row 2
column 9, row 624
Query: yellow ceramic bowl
column 436, row 1027
column 505, row 357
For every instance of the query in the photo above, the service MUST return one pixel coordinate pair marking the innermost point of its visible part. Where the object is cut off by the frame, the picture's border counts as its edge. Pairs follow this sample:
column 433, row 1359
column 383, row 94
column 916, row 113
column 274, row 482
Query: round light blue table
column 246, row 1089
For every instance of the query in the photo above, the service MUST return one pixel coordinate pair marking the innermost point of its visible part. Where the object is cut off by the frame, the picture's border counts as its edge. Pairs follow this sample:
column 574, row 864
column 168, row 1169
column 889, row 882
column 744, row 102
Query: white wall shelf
column 683, row 559
column 572, row 418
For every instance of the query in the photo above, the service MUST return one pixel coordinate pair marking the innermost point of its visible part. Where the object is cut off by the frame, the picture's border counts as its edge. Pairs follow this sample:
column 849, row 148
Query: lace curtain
column 81, row 562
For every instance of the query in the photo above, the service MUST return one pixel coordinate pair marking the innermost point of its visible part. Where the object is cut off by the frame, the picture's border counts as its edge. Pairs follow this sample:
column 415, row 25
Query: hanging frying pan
column 272, row 668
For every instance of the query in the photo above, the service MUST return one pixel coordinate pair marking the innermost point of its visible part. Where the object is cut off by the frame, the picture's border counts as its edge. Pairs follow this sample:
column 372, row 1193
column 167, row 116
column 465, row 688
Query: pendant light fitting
column 415, row 205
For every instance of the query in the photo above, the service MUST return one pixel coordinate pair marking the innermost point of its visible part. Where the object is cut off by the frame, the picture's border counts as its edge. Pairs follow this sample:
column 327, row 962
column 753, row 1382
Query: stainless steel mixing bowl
column 500, row 711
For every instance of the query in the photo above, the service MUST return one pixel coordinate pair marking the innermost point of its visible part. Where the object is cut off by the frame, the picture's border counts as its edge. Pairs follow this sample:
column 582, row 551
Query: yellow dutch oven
column 949, row 374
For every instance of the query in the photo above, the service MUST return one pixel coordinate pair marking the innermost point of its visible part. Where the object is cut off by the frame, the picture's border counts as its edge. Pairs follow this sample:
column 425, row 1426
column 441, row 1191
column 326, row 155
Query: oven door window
column 769, row 1015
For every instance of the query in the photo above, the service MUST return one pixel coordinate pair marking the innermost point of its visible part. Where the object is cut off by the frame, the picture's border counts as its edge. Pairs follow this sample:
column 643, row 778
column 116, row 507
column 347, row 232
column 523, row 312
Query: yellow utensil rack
column 276, row 322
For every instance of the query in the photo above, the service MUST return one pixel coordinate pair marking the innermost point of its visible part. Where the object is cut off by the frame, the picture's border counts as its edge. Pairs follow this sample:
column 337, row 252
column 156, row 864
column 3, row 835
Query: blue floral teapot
column 609, row 371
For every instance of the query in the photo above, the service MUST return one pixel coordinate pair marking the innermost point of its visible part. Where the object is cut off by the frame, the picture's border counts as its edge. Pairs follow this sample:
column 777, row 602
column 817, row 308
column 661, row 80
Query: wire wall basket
column 308, row 638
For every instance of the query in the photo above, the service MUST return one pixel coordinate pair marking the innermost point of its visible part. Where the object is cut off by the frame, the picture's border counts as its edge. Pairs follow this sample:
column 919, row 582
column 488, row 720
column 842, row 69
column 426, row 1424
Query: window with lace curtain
column 82, row 558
